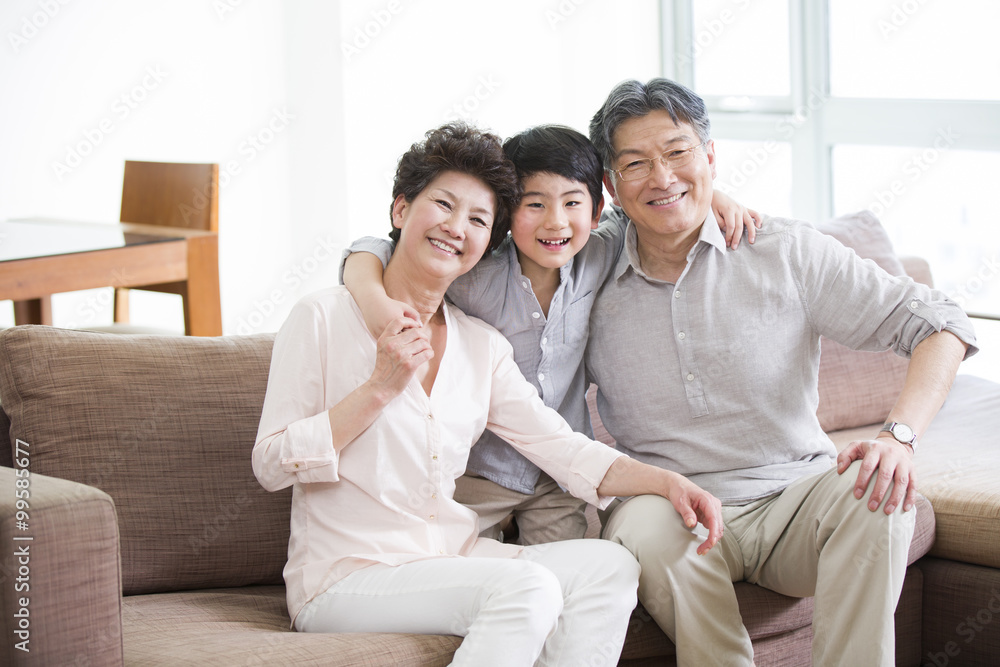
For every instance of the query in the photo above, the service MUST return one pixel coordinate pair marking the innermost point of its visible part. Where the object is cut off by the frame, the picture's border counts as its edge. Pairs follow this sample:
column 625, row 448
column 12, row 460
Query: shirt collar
column 710, row 235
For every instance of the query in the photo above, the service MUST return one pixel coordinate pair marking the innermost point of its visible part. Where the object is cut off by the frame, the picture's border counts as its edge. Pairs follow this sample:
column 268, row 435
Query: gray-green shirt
column 716, row 377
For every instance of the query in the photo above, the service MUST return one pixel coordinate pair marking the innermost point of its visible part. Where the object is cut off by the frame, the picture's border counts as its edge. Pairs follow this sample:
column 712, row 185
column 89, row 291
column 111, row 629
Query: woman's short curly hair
column 465, row 149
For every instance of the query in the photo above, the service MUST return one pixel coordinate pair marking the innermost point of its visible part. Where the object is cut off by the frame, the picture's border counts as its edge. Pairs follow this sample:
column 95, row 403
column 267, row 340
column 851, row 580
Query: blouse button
column 690, row 376
column 536, row 315
column 681, row 335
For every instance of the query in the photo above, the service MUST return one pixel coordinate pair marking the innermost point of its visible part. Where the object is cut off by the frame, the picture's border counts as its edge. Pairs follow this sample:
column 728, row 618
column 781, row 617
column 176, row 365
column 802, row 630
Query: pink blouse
column 387, row 497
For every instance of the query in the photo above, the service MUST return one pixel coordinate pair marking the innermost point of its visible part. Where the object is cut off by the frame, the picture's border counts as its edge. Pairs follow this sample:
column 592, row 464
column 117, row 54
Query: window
column 823, row 107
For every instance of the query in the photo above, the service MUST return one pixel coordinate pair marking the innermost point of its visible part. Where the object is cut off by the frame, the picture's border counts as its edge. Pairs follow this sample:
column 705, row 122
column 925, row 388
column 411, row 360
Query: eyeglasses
column 675, row 158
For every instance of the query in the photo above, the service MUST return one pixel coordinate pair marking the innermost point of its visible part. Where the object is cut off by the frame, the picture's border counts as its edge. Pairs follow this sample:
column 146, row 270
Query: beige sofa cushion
column 856, row 387
column 165, row 426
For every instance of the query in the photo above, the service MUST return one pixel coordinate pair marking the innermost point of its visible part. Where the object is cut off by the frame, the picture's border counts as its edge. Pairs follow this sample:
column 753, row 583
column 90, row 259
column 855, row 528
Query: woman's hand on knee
column 695, row 505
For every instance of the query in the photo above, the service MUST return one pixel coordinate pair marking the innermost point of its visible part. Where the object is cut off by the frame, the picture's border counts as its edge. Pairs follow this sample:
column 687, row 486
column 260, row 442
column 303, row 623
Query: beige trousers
column 548, row 515
column 814, row 538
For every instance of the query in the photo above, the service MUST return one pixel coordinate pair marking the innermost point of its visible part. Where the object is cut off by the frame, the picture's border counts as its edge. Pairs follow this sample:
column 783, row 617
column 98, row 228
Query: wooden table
column 40, row 257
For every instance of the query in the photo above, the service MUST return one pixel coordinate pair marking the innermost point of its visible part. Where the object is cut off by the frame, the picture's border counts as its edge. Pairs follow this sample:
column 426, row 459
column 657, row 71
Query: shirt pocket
column 576, row 321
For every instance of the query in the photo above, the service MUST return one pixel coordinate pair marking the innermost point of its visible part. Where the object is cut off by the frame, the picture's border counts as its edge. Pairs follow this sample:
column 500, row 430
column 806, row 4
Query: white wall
column 333, row 92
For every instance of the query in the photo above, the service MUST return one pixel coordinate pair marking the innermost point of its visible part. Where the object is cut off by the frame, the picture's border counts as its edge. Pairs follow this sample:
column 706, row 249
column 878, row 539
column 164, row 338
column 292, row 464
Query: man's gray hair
column 633, row 99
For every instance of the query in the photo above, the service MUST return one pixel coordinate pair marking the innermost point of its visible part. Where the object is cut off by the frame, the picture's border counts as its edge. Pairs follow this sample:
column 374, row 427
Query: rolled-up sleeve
column 854, row 302
column 294, row 439
column 381, row 248
column 519, row 416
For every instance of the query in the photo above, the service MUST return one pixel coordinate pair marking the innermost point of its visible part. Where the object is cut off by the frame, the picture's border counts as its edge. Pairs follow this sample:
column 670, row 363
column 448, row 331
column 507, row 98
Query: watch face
column 902, row 432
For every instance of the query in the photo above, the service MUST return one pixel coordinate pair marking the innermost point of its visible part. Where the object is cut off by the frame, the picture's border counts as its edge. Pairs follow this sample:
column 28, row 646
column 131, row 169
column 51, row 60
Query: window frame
column 831, row 120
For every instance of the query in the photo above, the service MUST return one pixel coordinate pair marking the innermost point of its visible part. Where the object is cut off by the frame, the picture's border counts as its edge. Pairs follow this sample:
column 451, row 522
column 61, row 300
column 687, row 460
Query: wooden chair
column 171, row 195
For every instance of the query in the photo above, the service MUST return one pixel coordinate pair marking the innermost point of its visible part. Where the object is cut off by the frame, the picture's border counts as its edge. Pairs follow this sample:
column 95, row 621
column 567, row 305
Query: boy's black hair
column 559, row 150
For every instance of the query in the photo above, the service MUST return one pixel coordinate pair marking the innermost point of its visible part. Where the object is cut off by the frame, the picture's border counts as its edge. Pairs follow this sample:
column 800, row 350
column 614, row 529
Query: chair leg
column 33, row 311
column 121, row 305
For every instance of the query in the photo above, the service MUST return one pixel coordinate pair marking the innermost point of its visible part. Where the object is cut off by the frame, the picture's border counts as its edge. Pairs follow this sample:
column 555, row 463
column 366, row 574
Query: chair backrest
column 171, row 194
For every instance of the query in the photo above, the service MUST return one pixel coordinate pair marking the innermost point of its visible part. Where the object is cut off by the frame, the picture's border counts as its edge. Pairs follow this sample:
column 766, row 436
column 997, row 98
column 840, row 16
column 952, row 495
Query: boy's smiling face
column 552, row 223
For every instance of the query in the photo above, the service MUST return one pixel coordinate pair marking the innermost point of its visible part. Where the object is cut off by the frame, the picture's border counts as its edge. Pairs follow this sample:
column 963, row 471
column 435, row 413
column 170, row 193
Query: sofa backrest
column 165, row 426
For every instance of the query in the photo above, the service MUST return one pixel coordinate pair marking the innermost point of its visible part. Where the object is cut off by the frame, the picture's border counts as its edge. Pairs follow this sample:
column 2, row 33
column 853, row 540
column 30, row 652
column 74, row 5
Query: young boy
column 537, row 288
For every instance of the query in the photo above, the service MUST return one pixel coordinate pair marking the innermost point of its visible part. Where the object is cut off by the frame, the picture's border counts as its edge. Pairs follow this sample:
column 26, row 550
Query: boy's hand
column 733, row 217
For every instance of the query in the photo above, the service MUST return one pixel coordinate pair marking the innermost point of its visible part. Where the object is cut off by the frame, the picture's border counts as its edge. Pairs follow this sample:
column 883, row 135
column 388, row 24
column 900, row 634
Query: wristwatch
column 902, row 433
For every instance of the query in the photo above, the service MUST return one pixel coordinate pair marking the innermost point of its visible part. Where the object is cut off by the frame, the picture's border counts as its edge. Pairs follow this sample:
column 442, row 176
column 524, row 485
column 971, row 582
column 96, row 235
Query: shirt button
column 430, row 416
column 435, row 457
column 434, row 496
column 677, row 294
column 296, row 465
column 545, row 341
column 431, row 517
column 914, row 304
column 536, row 315
column 690, row 376
column 524, row 284
column 541, row 376
column 681, row 335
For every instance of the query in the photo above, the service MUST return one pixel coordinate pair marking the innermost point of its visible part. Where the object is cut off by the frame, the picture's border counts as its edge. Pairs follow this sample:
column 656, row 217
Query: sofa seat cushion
column 957, row 464
column 166, row 427
column 250, row 626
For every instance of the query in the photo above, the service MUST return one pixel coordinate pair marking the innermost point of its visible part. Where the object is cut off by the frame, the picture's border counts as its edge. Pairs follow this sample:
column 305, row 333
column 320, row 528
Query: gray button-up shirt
column 548, row 350
column 716, row 376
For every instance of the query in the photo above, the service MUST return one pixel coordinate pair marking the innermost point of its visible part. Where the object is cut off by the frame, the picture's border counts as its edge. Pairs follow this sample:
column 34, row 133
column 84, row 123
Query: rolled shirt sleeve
column 854, row 302
column 294, row 439
column 381, row 248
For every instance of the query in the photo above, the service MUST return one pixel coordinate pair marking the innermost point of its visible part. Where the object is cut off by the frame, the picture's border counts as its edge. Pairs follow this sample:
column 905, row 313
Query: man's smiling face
column 668, row 202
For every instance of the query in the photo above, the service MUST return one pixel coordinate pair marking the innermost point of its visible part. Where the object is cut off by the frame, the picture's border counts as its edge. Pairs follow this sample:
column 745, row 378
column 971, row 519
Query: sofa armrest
column 59, row 571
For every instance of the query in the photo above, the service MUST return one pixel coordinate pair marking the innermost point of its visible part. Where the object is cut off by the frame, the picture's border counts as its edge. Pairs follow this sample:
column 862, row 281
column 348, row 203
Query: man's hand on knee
column 893, row 463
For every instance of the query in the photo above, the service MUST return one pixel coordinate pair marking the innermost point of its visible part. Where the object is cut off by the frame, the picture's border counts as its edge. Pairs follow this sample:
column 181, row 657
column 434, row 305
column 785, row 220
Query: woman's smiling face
column 446, row 228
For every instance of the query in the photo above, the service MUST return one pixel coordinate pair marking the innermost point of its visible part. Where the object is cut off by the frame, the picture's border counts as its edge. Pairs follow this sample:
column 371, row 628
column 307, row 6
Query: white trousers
column 565, row 603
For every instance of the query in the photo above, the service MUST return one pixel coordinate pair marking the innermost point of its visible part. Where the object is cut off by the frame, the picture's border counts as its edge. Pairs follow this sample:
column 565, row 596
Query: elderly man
column 707, row 365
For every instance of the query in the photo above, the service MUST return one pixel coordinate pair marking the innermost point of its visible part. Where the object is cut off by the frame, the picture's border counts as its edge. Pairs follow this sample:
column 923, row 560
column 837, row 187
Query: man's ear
column 710, row 152
column 398, row 208
column 597, row 216
column 611, row 188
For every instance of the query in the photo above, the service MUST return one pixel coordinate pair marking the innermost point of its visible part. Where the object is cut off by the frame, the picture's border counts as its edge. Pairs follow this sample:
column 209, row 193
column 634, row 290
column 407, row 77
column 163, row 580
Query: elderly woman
column 371, row 434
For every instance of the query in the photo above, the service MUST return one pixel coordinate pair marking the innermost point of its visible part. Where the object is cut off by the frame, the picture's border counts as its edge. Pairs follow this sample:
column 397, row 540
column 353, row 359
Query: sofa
column 139, row 535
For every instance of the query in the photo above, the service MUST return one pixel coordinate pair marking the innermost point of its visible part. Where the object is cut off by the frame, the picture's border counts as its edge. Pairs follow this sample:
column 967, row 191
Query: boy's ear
column 398, row 207
column 611, row 188
column 597, row 216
